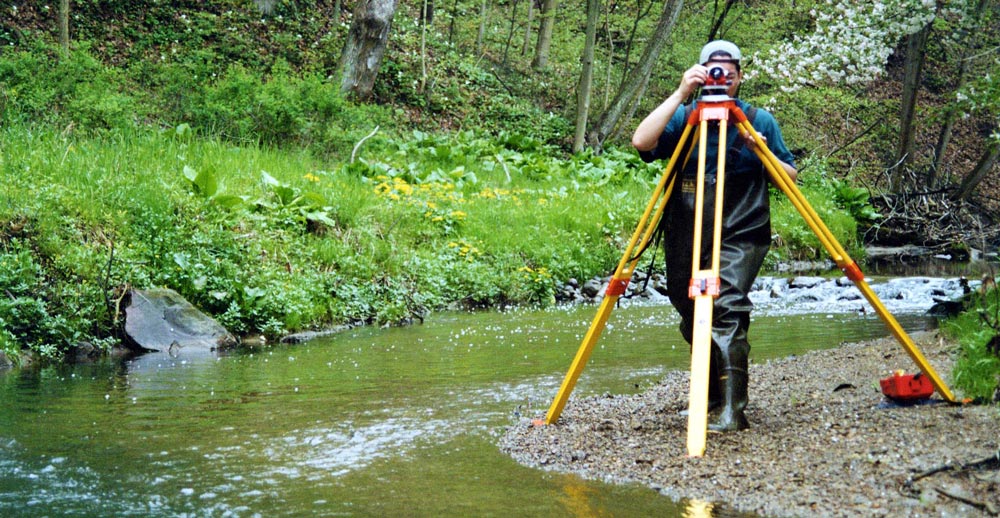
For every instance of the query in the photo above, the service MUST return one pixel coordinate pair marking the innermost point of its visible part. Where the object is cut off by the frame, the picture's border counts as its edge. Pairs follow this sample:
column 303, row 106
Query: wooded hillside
column 900, row 96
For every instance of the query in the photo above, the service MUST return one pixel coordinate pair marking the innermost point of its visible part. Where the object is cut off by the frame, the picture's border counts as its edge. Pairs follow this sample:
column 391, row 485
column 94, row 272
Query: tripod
column 705, row 283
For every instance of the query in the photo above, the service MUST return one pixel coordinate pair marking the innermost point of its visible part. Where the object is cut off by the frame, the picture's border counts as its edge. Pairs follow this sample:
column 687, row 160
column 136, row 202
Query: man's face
column 733, row 76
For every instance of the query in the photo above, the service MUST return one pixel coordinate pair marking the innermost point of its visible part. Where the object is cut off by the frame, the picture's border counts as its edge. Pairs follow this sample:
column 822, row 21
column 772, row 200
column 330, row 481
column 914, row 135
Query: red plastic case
column 907, row 387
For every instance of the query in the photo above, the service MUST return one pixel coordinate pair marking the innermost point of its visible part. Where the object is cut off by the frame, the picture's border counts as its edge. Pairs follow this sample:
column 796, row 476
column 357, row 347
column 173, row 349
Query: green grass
column 272, row 241
column 977, row 368
column 253, row 196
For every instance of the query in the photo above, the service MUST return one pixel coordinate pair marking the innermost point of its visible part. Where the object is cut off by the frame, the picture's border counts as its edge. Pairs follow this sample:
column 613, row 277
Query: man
column 746, row 226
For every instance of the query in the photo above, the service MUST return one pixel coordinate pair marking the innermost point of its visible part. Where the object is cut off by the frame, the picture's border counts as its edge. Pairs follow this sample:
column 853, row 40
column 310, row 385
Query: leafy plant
column 206, row 184
column 305, row 207
column 538, row 284
column 856, row 200
column 977, row 329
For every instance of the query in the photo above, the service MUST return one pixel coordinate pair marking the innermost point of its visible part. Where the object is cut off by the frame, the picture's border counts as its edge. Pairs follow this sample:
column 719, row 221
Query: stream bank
column 823, row 441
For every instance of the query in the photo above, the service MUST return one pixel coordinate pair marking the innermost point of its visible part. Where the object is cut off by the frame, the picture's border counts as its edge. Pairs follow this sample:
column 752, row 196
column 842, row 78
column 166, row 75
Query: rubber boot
column 734, row 381
column 732, row 417
column 714, row 380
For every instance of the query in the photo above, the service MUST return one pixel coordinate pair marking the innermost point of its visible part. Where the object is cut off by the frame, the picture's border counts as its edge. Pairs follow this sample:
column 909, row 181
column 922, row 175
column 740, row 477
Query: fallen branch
column 354, row 151
column 988, row 507
column 933, row 220
column 992, row 461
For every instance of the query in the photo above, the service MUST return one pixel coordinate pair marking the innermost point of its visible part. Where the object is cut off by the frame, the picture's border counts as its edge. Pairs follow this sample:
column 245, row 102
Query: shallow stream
column 387, row 422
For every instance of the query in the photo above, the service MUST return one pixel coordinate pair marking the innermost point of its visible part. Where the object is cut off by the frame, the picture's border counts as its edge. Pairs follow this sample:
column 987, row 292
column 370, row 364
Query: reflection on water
column 698, row 509
column 369, row 422
column 932, row 267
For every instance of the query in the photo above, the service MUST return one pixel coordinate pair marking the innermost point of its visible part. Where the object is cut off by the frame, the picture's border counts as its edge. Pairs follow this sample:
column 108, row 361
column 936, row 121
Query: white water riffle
column 806, row 295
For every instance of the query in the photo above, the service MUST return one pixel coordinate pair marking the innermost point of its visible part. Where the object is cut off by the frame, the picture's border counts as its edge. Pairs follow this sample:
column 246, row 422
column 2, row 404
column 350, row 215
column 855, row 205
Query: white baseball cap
column 720, row 46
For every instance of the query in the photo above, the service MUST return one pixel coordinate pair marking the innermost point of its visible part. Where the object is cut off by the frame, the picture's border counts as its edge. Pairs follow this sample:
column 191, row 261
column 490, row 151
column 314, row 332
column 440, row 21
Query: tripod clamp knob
column 704, row 286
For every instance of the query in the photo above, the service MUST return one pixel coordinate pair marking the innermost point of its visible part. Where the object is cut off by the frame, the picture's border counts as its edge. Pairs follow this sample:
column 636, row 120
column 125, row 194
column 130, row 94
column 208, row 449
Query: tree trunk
column 978, row 173
column 425, row 20
column 366, row 41
column 630, row 109
column 713, row 34
column 548, row 16
column 916, row 50
column 640, row 15
column 64, row 26
column 427, row 13
column 482, row 27
column 527, row 28
column 944, row 137
column 611, row 57
column 451, row 22
column 510, row 32
column 583, row 88
column 634, row 84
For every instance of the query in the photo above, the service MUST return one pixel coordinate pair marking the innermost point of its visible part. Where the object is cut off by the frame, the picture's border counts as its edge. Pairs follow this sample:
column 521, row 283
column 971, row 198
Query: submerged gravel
column 823, row 441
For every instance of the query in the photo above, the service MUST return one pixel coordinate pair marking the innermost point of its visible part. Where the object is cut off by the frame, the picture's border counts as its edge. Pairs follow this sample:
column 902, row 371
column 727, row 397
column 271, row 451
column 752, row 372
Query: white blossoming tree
column 851, row 43
column 853, row 40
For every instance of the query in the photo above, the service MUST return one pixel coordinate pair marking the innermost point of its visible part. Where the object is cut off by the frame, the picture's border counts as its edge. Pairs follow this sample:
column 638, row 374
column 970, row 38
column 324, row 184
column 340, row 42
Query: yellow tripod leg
column 701, row 355
column 704, row 295
column 619, row 281
column 850, row 268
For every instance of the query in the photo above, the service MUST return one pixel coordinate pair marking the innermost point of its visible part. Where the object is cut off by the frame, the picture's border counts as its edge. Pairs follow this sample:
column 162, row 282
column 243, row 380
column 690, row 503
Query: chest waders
column 711, row 280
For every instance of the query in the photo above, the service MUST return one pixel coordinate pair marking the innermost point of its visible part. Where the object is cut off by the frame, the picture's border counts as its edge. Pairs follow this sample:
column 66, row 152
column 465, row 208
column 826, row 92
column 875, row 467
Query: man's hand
column 693, row 78
column 751, row 143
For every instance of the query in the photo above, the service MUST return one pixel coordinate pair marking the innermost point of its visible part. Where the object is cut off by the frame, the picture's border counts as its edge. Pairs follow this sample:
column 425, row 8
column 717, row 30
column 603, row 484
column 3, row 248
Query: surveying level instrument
column 716, row 105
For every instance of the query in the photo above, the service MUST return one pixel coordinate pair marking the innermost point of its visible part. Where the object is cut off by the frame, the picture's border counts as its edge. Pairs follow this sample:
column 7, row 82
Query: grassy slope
column 99, row 202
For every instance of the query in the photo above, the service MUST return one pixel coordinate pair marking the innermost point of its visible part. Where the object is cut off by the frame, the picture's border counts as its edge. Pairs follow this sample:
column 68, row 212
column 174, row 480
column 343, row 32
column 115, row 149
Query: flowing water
column 386, row 422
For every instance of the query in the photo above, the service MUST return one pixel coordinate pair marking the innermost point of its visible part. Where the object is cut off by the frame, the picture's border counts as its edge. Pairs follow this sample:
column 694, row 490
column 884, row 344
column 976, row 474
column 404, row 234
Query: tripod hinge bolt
column 616, row 288
column 705, row 286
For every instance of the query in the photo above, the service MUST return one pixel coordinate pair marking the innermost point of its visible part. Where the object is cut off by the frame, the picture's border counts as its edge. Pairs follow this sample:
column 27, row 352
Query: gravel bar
column 823, row 441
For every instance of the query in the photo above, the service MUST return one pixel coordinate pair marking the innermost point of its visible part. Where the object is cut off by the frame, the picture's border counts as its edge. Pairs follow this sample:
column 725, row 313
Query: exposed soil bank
column 823, row 441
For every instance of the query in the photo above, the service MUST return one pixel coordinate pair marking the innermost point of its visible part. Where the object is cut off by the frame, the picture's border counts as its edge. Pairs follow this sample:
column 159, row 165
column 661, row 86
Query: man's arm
column 647, row 134
column 791, row 171
column 751, row 144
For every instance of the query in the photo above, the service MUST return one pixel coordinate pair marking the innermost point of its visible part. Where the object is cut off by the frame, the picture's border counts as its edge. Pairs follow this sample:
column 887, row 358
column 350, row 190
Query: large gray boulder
column 161, row 320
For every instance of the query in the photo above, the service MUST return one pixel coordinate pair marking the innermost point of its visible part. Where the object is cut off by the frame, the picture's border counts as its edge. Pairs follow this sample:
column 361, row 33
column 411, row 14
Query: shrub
column 977, row 330
column 49, row 306
column 282, row 109
column 833, row 204
column 76, row 90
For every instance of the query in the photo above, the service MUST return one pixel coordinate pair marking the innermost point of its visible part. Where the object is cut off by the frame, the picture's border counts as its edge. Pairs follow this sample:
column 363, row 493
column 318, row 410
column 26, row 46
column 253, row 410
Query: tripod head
column 716, row 85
